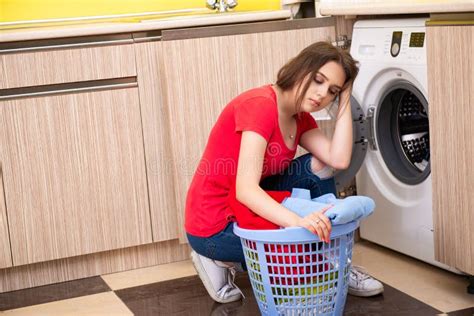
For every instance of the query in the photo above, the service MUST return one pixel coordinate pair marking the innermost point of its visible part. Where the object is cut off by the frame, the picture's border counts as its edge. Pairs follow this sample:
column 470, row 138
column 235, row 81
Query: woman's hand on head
column 347, row 89
column 345, row 98
column 318, row 224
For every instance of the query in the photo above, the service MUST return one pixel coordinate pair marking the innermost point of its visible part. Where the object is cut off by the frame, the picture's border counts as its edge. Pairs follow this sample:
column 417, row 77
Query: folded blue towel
column 343, row 210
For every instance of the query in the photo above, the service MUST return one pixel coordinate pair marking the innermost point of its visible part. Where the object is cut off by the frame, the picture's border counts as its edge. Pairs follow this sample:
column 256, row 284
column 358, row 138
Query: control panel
column 415, row 40
column 404, row 44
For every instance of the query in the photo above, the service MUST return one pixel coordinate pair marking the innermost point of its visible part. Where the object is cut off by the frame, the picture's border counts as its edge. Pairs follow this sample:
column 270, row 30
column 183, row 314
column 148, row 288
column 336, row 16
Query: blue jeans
column 226, row 246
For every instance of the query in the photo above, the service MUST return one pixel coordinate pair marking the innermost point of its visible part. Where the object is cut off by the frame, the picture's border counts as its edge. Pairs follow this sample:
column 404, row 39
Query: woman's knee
column 320, row 169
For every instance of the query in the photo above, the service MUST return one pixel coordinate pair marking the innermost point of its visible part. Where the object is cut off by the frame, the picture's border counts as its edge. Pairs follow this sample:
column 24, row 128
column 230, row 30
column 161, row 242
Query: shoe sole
column 209, row 288
column 365, row 293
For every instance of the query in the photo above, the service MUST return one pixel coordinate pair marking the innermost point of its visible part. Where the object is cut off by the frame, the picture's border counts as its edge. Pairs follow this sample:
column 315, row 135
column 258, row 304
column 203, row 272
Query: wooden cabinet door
column 451, row 99
column 74, row 174
column 159, row 160
column 5, row 252
column 204, row 74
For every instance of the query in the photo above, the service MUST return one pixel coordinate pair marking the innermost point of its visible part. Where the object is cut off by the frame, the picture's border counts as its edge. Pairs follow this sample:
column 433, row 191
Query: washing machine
column 391, row 153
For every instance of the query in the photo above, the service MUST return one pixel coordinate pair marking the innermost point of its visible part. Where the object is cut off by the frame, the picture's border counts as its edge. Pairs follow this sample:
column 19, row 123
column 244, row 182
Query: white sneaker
column 218, row 278
column 362, row 284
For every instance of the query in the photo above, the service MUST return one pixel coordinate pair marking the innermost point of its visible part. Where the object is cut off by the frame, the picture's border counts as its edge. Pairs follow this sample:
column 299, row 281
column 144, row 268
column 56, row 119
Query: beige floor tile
column 441, row 289
column 148, row 275
column 98, row 304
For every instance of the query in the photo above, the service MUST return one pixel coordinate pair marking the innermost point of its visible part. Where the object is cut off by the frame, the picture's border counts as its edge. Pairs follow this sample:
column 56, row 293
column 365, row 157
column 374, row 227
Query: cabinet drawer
column 55, row 61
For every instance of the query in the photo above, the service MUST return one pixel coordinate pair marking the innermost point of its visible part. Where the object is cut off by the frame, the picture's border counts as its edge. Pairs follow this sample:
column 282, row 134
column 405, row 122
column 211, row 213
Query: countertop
column 371, row 7
column 71, row 30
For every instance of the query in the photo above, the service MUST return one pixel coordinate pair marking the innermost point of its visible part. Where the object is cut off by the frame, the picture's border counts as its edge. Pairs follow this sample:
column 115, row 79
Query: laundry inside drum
column 414, row 131
column 403, row 133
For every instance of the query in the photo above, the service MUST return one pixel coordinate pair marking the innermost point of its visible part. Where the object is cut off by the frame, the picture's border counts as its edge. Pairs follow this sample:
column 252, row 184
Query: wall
column 25, row 10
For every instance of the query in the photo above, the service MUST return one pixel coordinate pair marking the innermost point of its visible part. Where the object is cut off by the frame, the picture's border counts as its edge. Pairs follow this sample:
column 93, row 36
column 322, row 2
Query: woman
column 250, row 150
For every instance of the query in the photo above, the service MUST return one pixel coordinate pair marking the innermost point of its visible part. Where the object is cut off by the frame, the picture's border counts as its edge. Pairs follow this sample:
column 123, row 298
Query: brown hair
column 309, row 61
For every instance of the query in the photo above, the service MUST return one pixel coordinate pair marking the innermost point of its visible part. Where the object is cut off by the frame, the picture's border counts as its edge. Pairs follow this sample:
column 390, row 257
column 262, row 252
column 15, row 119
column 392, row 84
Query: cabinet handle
column 86, row 86
column 64, row 43
column 148, row 36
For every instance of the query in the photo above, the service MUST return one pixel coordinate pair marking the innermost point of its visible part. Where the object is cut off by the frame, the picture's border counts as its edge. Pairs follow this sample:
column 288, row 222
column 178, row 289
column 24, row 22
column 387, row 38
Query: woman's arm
column 249, row 193
column 337, row 152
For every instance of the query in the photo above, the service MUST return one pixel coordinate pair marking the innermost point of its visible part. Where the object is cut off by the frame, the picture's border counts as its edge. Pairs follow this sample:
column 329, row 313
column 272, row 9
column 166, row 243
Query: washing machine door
column 402, row 133
column 360, row 132
column 397, row 127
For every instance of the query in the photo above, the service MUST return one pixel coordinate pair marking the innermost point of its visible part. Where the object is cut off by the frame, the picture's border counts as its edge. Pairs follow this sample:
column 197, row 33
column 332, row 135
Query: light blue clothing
column 344, row 210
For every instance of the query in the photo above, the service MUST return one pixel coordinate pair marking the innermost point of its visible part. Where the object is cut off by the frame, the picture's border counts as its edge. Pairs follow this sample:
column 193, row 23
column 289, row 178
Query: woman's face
column 324, row 87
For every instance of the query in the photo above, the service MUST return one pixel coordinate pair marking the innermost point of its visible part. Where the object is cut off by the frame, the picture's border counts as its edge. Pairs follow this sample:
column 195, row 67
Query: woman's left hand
column 318, row 224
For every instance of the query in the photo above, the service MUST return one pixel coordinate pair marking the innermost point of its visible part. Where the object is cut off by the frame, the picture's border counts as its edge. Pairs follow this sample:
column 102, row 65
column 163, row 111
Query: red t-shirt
column 207, row 203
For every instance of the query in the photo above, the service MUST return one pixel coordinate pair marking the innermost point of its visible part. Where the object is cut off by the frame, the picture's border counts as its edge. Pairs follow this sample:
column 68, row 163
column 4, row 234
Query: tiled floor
column 411, row 288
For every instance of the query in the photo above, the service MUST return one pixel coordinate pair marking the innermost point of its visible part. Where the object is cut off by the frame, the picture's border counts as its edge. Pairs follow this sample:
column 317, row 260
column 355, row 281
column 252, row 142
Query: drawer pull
column 86, row 86
column 64, row 43
column 149, row 36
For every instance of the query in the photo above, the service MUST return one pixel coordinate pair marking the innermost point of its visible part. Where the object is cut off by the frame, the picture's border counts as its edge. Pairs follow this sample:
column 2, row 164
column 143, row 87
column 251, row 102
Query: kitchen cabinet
column 157, row 142
column 204, row 74
column 451, row 95
column 5, row 254
column 55, row 61
column 71, row 148
column 73, row 172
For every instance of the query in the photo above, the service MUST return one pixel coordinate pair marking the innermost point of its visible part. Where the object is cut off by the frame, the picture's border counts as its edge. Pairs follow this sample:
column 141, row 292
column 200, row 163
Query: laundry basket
column 293, row 273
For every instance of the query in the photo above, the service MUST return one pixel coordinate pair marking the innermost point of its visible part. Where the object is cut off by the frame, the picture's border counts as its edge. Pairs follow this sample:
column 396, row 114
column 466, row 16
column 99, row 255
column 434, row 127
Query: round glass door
column 402, row 130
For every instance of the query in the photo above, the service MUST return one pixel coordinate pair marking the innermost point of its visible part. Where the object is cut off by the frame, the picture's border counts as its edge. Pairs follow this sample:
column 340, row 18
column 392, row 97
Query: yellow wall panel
column 26, row 10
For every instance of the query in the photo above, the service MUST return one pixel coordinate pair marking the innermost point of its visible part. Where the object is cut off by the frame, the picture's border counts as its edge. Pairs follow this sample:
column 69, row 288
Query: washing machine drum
column 402, row 132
